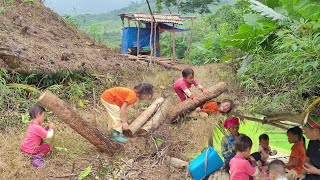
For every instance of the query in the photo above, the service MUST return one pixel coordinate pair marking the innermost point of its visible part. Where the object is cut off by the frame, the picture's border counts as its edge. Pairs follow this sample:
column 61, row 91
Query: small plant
column 2, row 9
column 85, row 172
column 28, row 1
column 25, row 118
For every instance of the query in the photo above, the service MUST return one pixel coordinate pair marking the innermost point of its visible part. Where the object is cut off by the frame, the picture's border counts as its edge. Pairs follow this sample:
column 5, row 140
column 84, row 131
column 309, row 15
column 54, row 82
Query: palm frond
column 23, row 86
column 266, row 11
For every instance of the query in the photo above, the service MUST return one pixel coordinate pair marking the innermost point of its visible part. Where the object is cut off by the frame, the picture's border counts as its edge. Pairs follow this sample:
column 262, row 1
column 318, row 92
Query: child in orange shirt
column 116, row 100
column 217, row 107
column 298, row 152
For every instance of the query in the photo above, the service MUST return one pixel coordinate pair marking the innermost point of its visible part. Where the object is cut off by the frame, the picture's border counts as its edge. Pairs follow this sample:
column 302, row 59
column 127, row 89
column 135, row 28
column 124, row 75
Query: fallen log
column 175, row 162
column 156, row 120
column 191, row 104
column 143, row 117
column 65, row 112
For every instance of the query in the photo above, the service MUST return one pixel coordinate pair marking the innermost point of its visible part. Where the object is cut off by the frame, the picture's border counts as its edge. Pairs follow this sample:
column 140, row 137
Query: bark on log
column 175, row 162
column 156, row 120
column 143, row 117
column 66, row 113
column 191, row 104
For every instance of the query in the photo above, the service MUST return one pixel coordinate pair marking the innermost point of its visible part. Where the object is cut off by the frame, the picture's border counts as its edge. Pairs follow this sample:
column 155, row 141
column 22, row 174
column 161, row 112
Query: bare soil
column 34, row 38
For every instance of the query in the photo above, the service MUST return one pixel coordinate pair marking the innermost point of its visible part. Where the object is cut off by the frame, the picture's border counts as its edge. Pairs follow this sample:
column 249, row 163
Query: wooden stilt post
column 173, row 46
column 66, row 113
column 138, row 40
column 190, row 41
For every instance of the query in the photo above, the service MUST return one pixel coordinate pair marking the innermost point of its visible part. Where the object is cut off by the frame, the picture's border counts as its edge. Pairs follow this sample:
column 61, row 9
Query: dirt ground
column 34, row 38
column 142, row 158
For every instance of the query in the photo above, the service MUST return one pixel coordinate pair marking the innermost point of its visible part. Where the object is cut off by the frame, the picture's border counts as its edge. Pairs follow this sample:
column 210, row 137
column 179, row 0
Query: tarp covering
column 129, row 38
column 169, row 28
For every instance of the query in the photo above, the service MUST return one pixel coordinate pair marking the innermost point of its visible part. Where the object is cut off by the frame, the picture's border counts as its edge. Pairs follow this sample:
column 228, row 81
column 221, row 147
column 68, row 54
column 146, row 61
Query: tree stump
column 191, row 104
column 143, row 117
column 67, row 114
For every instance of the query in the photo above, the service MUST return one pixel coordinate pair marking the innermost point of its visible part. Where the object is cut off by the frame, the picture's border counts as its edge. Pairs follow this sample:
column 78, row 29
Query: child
column 33, row 142
column 240, row 168
column 264, row 149
column 277, row 170
column 217, row 107
column 182, row 85
column 298, row 152
column 116, row 100
column 227, row 143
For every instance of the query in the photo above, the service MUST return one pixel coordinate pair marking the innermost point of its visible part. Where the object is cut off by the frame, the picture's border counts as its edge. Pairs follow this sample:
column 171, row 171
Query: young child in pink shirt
column 240, row 168
column 182, row 86
column 33, row 142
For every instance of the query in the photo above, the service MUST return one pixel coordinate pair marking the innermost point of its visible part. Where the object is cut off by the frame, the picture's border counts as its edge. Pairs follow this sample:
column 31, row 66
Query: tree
column 187, row 6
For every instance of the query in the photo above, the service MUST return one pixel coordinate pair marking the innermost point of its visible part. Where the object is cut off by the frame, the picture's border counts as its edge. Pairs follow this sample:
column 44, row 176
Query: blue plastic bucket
column 205, row 164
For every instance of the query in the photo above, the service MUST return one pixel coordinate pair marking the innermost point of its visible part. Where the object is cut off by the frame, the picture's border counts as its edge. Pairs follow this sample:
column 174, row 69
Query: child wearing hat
column 227, row 143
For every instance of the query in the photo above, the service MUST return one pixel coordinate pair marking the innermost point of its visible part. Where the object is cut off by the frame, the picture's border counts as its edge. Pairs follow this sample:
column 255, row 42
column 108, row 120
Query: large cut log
column 156, row 120
column 143, row 117
column 191, row 104
column 66, row 113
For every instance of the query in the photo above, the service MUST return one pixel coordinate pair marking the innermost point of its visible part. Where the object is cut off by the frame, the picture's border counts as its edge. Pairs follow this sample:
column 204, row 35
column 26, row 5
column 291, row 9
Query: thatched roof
column 159, row 18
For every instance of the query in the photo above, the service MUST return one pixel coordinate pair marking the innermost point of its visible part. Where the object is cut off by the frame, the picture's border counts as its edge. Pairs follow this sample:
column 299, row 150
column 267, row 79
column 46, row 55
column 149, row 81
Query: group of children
column 241, row 164
column 236, row 147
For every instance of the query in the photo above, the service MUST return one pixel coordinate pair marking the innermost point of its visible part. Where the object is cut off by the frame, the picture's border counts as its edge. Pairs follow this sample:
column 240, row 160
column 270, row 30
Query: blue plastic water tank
column 197, row 165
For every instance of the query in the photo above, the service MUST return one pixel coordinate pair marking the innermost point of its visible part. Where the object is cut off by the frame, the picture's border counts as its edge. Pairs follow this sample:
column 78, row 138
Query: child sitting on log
column 182, row 86
column 240, row 168
column 217, row 107
column 33, row 142
column 298, row 152
column 116, row 100
column 227, row 143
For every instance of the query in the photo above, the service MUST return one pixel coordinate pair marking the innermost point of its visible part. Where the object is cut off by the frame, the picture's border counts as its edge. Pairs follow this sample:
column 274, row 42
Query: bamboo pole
column 260, row 120
column 138, row 40
column 151, row 47
column 143, row 117
column 66, row 113
column 156, row 120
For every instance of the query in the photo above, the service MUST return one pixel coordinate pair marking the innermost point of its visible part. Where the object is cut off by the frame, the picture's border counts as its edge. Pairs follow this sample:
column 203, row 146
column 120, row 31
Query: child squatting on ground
column 116, row 100
column 182, row 86
column 240, row 168
column 33, row 142
column 298, row 152
column 277, row 170
column 227, row 143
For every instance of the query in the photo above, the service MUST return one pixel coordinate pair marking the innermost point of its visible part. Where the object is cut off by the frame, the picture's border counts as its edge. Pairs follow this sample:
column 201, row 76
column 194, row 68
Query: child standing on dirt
column 217, row 107
column 227, row 143
column 298, row 152
column 33, row 142
column 240, row 168
column 182, row 86
column 116, row 100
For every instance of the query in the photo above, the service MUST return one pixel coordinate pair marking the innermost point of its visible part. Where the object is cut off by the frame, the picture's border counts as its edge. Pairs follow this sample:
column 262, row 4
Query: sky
column 76, row 7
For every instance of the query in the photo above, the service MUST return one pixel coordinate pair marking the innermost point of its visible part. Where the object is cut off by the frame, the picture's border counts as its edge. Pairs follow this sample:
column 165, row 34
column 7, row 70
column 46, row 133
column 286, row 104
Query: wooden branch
column 66, row 113
column 192, row 104
column 143, row 117
column 250, row 118
column 156, row 120
column 175, row 162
